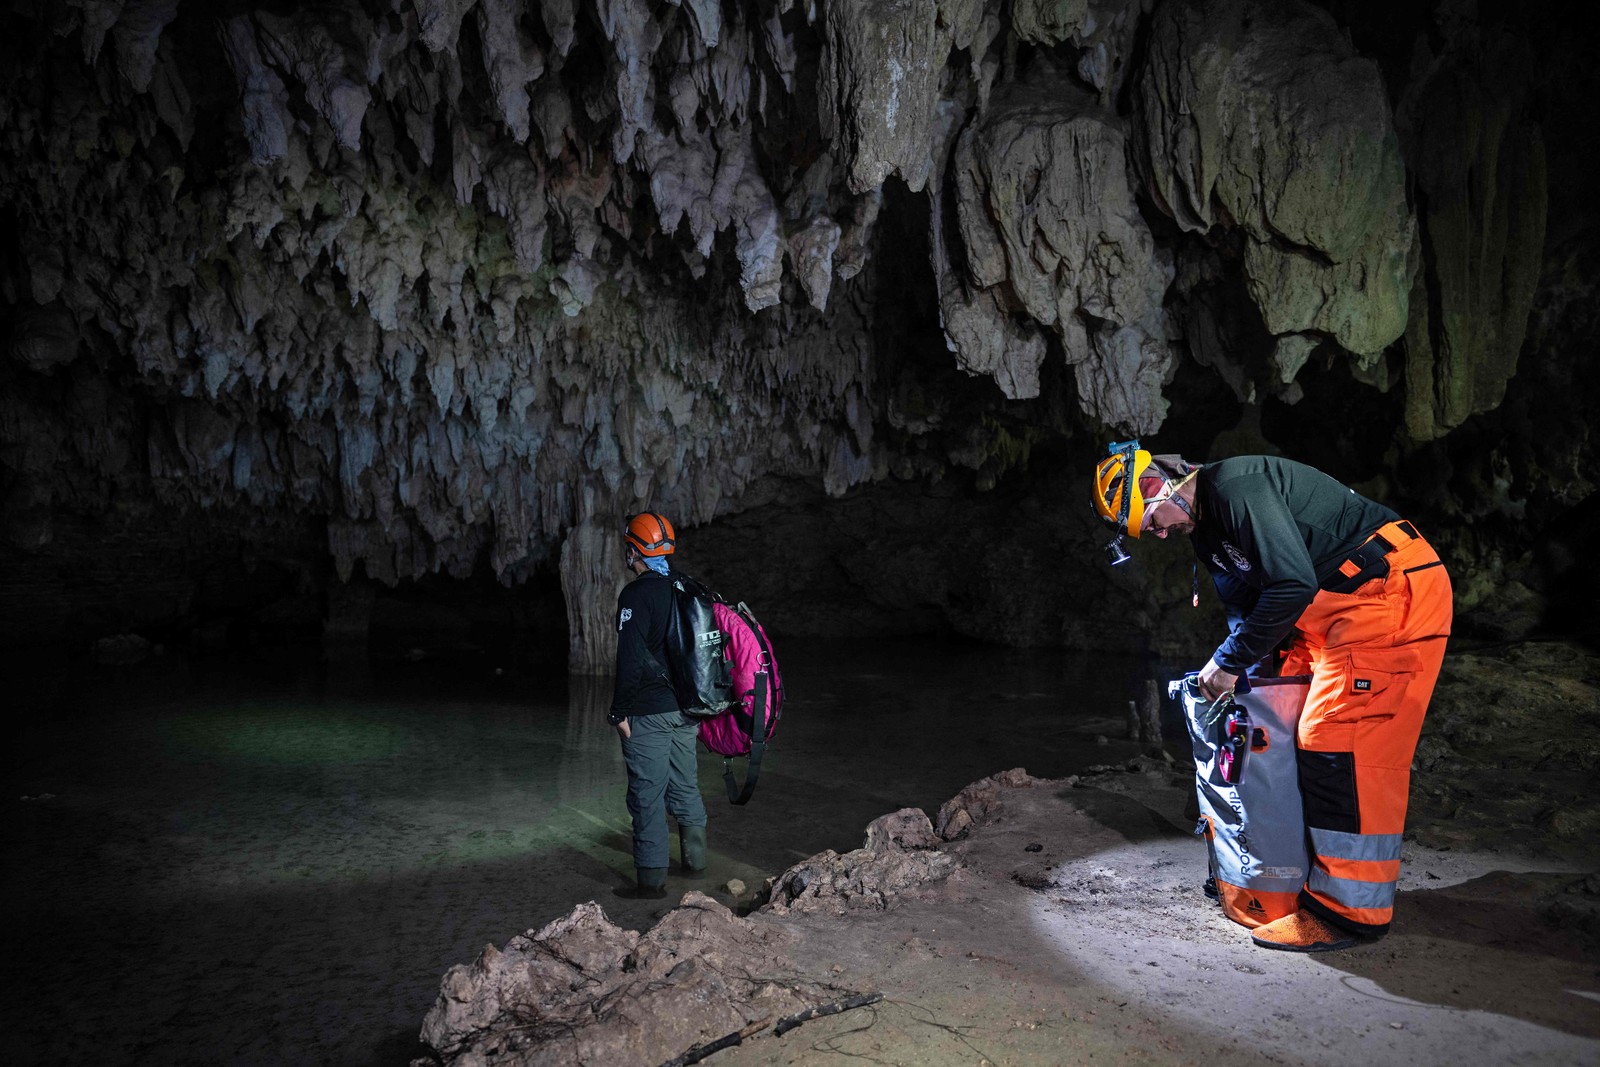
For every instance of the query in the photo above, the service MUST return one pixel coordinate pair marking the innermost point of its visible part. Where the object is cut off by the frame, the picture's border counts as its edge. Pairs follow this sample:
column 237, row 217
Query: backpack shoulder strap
column 738, row 794
column 758, row 747
column 771, row 661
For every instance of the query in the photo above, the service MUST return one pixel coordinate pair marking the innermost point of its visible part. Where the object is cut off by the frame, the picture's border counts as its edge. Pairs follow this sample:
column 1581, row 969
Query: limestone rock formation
column 880, row 79
column 583, row 990
column 901, row 852
column 1478, row 161
column 367, row 312
column 448, row 280
column 1047, row 212
column 1262, row 119
column 979, row 802
column 1102, row 30
column 591, row 562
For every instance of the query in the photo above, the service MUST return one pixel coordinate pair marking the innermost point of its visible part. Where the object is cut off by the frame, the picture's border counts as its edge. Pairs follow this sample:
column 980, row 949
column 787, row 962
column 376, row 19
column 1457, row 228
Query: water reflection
column 593, row 763
column 271, row 863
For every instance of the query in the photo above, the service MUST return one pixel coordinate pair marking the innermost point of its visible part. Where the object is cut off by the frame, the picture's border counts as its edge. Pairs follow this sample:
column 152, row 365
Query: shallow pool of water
column 248, row 862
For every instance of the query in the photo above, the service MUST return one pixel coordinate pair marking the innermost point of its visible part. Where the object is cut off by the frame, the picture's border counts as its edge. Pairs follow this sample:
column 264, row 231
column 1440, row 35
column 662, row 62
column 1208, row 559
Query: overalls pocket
column 1375, row 681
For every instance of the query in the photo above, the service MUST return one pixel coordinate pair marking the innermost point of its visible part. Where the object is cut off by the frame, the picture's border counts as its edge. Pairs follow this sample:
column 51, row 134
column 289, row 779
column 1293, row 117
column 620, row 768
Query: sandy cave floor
column 1102, row 948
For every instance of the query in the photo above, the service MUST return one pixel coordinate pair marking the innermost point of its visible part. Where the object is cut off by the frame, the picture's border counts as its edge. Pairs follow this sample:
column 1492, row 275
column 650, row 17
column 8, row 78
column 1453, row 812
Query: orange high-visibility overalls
column 1374, row 656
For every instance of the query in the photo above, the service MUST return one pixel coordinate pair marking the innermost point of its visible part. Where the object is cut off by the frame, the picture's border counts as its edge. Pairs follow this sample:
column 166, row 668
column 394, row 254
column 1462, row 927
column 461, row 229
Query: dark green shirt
column 1272, row 532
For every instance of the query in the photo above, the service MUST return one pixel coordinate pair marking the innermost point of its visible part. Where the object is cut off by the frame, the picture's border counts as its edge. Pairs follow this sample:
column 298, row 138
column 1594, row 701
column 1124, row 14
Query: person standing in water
column 658, row 739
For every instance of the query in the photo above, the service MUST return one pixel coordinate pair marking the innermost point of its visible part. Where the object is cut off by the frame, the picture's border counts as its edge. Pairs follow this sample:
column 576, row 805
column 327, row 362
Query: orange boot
column 1302, row 932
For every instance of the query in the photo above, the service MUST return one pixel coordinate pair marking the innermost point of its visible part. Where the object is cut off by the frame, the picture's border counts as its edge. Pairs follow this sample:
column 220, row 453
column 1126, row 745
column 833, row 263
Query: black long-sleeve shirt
column 642, row 687
column 1271, row 532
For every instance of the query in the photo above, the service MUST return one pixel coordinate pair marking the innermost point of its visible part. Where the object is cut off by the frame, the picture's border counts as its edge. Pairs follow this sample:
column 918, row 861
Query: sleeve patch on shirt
column 627, row 613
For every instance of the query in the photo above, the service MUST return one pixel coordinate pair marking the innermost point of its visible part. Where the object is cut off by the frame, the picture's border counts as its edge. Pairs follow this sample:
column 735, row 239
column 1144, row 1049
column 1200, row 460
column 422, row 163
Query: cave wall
column 443, row 281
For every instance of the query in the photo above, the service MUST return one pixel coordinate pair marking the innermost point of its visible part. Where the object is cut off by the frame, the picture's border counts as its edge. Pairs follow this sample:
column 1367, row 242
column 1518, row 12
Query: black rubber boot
column 692, row 847
column 651, row 885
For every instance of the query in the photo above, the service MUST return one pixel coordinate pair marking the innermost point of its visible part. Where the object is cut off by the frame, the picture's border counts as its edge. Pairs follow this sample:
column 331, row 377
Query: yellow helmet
column 1117, row 498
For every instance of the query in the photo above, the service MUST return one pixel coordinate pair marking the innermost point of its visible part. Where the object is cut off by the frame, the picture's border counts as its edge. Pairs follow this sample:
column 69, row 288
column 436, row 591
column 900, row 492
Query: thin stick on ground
column 860, row 1000
column 700, row 1052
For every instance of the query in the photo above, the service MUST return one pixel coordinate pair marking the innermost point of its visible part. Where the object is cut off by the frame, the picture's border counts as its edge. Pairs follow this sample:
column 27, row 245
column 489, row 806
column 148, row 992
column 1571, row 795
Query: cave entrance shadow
column 1491, row 945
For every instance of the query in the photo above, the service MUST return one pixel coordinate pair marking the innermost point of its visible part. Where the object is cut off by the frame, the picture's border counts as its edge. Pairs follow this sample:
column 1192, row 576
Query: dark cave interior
column 348, row 333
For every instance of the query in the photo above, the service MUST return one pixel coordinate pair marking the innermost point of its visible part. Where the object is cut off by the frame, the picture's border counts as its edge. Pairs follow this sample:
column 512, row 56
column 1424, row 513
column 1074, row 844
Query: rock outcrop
column 979, row 802
column 901, row 852
column 1264, row 121
column 584, row 990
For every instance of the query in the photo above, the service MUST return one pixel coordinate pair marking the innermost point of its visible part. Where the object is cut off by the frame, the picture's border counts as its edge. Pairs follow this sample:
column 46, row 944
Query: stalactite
column 437, row 271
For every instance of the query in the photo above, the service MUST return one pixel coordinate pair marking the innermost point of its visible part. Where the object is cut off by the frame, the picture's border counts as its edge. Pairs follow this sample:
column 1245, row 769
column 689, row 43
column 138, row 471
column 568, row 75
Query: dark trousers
column 663, row 779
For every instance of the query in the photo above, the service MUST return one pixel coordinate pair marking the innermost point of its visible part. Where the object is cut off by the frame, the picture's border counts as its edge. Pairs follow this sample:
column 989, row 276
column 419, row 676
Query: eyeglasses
column 1147, row 520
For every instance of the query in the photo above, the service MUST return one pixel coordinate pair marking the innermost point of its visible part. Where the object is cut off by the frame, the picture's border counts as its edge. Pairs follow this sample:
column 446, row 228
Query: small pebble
column 735, row 887
column 1034, row 848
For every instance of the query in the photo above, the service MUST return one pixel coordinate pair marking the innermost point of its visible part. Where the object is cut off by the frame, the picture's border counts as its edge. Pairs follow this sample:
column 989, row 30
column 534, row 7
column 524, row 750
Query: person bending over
column 1367, row 607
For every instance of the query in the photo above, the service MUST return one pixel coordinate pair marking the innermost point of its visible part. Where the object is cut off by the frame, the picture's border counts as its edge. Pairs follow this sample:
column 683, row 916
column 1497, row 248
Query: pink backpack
column 745, row 728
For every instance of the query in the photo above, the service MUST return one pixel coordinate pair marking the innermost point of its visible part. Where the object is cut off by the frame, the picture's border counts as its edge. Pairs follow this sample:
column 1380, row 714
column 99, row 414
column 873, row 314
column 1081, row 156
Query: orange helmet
column 1117, row 498
column 651, row 534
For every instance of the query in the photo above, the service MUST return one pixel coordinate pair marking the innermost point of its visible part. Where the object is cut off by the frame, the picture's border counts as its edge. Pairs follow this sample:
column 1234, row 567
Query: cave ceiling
column 462, row 275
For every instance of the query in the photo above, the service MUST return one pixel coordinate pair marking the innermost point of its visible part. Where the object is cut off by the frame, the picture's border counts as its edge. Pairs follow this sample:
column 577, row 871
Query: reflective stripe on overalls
column 1374, row 656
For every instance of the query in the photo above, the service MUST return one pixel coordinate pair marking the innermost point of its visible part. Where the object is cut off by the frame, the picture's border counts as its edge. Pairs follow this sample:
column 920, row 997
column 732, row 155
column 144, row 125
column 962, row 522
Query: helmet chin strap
column 1183, row 506
column 1172, row 496
column 1115, row 550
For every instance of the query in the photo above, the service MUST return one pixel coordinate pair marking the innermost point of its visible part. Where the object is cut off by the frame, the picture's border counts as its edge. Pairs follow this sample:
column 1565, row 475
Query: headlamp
column 1115, row 553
